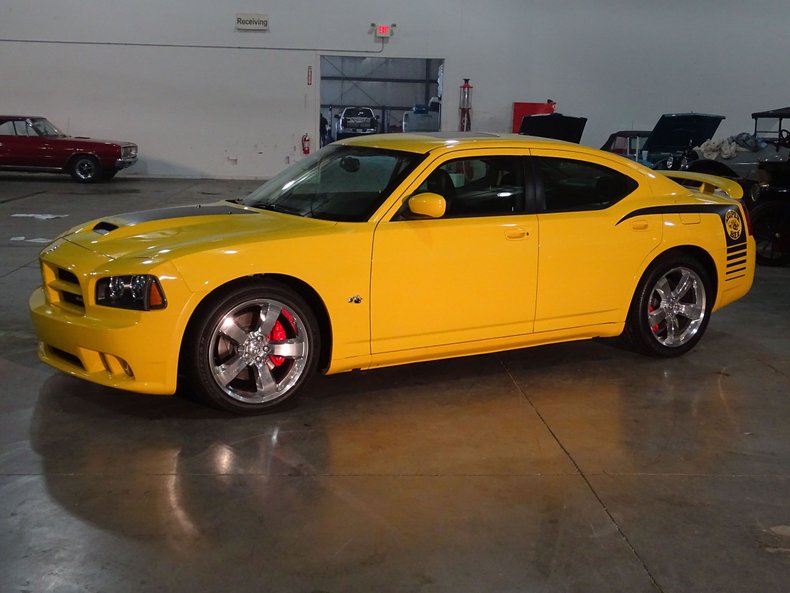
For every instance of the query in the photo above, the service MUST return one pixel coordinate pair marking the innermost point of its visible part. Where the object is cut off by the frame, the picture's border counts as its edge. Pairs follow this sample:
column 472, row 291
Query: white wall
column 202, row 99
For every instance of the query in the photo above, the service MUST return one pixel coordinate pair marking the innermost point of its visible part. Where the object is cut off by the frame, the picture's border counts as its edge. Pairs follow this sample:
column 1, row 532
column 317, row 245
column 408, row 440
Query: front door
column 469, row 275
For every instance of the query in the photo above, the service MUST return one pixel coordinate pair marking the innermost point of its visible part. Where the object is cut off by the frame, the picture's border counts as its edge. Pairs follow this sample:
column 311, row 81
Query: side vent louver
column 104, row 227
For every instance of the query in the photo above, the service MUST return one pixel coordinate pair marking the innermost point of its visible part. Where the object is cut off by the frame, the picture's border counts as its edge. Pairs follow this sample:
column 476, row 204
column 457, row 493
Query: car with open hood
column 553, row 125
column 34, row 144
column 670, row 144
column 759, row 161
column 391, row 249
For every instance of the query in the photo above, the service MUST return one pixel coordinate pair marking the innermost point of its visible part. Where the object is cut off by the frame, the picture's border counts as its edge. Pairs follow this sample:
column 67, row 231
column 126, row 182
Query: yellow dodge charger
column 392, row 249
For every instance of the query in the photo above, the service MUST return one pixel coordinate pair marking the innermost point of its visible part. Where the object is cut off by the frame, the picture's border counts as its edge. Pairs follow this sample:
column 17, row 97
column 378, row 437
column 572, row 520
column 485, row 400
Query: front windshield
column 340, row 183
column 45, row 128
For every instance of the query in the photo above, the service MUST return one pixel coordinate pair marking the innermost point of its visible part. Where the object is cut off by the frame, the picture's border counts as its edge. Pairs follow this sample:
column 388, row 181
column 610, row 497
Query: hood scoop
column 104, row 227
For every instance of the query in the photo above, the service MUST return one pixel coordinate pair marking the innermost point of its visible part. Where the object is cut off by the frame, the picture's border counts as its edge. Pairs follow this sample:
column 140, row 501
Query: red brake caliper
column 278, row 334
column 650, row 309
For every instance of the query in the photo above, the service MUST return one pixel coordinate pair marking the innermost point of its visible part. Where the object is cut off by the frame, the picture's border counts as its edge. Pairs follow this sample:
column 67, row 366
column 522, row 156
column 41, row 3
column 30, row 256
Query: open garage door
column 362, row 95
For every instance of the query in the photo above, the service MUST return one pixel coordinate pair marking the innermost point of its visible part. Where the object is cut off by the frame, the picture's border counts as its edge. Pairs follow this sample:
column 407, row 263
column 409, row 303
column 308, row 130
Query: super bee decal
column 733, row 224
column 731, row 220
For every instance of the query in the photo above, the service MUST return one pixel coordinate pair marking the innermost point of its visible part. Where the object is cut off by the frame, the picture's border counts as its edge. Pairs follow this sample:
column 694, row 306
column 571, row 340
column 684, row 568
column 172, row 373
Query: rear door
column 589, row 261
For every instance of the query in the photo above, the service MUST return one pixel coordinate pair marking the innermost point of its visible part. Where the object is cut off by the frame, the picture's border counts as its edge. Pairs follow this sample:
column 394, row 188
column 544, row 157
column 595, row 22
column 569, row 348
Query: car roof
column 782, row 112
column 21, row 117
column 428, row 141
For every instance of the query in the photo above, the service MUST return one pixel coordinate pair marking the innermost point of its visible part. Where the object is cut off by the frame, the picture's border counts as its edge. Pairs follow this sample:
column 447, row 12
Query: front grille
column 63, row 287
column 67, row 276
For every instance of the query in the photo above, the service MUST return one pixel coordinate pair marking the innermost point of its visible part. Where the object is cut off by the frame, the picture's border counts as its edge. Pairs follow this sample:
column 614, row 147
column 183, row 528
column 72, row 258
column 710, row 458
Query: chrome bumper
column 124, row 162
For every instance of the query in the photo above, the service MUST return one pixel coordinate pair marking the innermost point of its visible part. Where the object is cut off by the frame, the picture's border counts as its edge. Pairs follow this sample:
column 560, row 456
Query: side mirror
column 428, row 204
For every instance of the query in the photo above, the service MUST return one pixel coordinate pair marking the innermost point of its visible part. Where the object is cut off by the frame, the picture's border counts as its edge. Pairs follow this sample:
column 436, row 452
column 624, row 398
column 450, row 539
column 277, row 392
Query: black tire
column 771, row 224
column 230, row 357
column 671, row 307
column 85, row 169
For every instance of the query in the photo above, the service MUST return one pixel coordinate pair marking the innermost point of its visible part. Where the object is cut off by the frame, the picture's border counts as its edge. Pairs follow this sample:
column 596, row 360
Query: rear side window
column 570, row 185
column 7, row 128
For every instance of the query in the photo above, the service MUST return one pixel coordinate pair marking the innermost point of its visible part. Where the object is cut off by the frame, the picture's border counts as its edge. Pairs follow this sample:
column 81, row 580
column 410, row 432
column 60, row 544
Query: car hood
column 84, row 141
column 676, row 131
column 167, row 233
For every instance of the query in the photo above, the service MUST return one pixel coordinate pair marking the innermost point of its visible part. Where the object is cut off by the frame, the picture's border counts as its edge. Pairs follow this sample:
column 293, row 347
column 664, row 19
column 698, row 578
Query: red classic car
column 34, row 144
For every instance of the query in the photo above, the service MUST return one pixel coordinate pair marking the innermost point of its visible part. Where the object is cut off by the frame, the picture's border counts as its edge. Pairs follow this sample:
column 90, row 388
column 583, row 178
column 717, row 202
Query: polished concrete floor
column 579, row 467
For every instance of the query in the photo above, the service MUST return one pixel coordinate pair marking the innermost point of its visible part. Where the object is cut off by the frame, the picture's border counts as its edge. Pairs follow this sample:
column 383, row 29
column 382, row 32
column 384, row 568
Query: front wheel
column 771, row 224
column 671, row 307
column 252, row 348
column 85, row 169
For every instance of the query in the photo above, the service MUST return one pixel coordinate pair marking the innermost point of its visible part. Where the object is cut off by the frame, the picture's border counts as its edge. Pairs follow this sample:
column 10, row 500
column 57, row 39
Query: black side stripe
column 680, row 209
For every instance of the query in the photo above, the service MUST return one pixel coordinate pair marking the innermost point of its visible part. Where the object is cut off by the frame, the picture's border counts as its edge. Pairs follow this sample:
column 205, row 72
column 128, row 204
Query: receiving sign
column 252, row 22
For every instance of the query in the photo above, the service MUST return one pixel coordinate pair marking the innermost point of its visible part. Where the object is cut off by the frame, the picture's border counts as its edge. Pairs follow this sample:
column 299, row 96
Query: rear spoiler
column 706, row 184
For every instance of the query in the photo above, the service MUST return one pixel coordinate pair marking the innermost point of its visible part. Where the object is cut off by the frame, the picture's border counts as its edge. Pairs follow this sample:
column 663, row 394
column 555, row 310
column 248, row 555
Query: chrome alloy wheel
column 677, row 306
column 258, row 351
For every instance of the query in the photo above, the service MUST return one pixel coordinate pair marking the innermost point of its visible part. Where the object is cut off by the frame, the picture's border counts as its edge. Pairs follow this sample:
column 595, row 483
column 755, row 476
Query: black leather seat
column 440, row 182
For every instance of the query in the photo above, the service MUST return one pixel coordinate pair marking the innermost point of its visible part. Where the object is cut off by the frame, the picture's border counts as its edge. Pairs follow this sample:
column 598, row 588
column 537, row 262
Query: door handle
column 516, row 233
column 639, row 225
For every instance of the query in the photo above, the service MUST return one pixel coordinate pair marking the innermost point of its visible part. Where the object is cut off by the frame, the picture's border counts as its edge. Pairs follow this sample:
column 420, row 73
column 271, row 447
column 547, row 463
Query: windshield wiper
column 235, row 200
column 278, row 208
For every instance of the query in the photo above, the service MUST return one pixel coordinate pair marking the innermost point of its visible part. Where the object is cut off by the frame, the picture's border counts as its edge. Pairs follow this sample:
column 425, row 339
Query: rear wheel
column 771, row 224
column 671, row 307
column 252, row 348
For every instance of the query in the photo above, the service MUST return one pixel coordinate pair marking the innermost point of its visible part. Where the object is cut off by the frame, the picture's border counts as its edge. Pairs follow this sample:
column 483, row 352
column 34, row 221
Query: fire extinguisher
column 306, row 144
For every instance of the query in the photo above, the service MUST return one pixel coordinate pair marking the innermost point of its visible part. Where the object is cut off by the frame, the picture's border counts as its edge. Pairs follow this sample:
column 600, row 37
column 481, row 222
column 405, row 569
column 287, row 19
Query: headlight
column 141, row 292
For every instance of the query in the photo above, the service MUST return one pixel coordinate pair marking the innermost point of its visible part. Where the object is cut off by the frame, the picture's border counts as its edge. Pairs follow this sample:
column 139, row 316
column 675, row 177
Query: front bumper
column 121, row 355
column 124, row 162
column 121, row 348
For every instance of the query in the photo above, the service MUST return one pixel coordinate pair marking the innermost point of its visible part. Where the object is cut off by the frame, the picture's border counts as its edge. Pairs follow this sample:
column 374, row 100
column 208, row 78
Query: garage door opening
column 361, row 95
